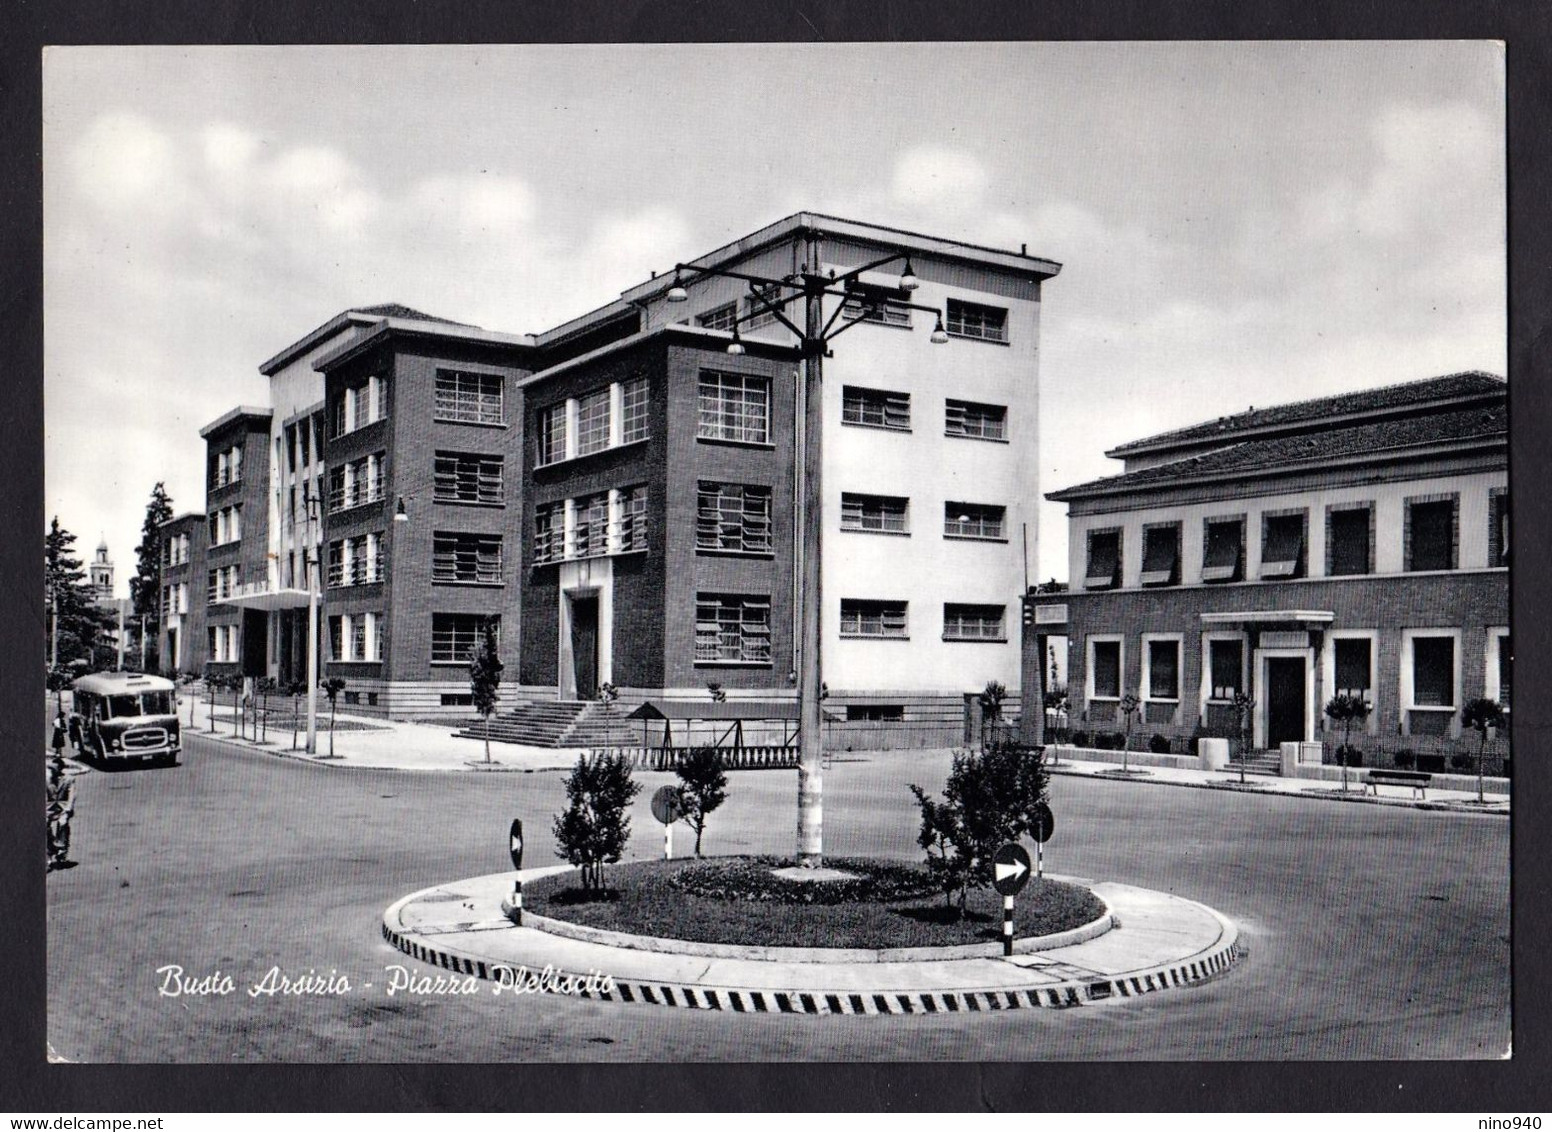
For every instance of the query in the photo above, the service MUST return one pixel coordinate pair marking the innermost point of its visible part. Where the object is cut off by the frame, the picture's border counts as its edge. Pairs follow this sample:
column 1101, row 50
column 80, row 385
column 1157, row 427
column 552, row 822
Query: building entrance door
column 584, row 645
column 1285, row 707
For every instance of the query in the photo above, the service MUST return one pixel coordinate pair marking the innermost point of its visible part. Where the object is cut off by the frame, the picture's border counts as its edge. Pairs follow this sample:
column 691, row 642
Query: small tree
column 485, row 669
column 332, row 687
column 212, row 685
column 607, row 694
column 703, row 787
column 267, row 685
column 989, row 800
column 1242, row 705
column 1480, row 715
column 992, row 698
column 296, row 689
column 1345, row 711
column 594, row 828
column 1129, row 706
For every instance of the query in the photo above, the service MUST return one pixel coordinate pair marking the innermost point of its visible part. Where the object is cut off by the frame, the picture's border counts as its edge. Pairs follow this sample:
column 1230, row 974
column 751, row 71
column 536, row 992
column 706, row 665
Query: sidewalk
column 372, row 742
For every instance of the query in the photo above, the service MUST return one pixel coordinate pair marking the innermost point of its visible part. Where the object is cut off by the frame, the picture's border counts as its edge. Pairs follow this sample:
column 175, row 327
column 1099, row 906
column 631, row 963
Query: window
column 457, row 699
column 304, row 440
column 973, row 622
column 591, row 532
column 1353, row 674
column 360, row 405
column 1223, row 554
column 455, row 635
column 355, row 483
column 1225, row 668
column 552, row 434
column 732, row 629
column 1160, row 554
column 227, row 467
column 593, row 422
column 734, row 518
column 1433, row 671
column 873, row 618
column 1498, row 527
column 874, row 713
column 1282, row 545
column 974, row 520
column 337, row 637
column 468, row 477
column 1104, row 566
column 469, row 398
column 225, row 526
column 876, row 408
column 872, row 303
column 290, row 443
column 1349, row 540
column 549, row 533
column 1104, row 670
column 465, row 558
column 1429, row 532
column 972, row 320
column 633, row 519
column 757, row 306
column 372, row 563
column 633, row 411
column 1163, row 676
column 978, row 422
column 724, row 317
column 223, row 583
column 887, row 514
column 734, row 407
column 358, row 636
column 1499, row 667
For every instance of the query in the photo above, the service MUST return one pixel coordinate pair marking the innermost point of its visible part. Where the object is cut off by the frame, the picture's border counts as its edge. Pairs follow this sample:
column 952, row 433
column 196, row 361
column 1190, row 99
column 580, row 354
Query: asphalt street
column 1372, row 932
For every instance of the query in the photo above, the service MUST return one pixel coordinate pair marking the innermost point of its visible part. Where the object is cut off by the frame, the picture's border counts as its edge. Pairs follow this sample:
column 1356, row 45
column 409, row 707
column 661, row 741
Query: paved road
column 1374, row 932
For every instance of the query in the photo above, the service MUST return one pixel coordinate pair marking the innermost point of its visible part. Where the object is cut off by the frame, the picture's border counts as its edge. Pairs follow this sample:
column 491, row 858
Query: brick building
column 619, row 491
column 1353, row 544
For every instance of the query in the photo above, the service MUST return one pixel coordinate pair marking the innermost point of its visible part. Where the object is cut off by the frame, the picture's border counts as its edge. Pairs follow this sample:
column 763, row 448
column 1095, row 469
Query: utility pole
column 810, row 711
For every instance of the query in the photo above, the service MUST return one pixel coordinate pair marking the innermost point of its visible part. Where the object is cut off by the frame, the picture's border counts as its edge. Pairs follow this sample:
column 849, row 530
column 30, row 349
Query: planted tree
column 595, row 826
column 267, row 685
column 1481, row 715
column 1129, row 706
column 607, row 694
column 702, row 788
column 989, row 800
column 992, row 698
column 1242, row 706
column 1346, row 710
column 212, row 685
column 145, row 588
column 485, row 669
column 296, row 689
column 332, row 687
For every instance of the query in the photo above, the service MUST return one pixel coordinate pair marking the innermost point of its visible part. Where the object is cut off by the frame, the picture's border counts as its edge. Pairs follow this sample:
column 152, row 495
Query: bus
column 125, row 715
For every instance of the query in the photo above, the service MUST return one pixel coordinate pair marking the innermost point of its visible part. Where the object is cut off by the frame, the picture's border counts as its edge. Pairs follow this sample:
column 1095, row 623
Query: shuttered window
column 732, row 629
column 733, row 517
column 1282, row 546
column 873, row 618
column 877, row 408
column 1104, row 565
column 468, row 477
column 461, row 557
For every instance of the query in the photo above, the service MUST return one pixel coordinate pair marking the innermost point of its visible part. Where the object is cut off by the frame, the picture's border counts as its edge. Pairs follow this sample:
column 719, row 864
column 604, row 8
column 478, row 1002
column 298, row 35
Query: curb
column 1206, row 965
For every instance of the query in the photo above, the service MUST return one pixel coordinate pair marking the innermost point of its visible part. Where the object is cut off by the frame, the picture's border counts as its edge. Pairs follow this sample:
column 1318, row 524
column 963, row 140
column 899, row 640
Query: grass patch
column 736, row 900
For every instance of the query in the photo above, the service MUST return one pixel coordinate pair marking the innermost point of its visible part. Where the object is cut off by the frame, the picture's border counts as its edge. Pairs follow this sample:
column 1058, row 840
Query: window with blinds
column 873, row 618
column 886, row 514
column 724, row 317
column 975, row 421
column 873, row 303
column 974, row 520
column 963, row 622
column 875, row 408
column 975, row 320
column 732, row 629
column 632, row 533
column 591, row 533
column 1161, row 554
column 469, row 477
column 1223, row 556
column 455, row 635
column 733, row 518
column 549, row 533
column 464, row 558
column 1103, row 571
column 1282, row 546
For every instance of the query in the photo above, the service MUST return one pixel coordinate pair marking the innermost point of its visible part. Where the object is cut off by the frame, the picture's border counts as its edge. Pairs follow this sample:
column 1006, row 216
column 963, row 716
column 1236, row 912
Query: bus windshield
column 146, row 703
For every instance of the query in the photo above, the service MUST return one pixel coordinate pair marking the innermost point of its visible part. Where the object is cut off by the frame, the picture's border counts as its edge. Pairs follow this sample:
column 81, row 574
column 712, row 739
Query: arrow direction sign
column 1010, row 869
column 515, row 843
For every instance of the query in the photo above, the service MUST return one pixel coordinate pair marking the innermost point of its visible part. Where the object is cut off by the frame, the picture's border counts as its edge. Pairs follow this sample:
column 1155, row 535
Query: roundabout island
column 674, row 933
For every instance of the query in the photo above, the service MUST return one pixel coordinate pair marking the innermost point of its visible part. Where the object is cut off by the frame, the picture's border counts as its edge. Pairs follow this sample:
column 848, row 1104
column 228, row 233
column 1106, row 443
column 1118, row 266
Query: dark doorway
column 255, row 642
column 1284, row 700
column 584, row 645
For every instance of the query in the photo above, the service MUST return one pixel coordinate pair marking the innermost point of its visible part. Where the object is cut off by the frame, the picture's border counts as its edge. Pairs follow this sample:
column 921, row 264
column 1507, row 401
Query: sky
column 1239, row 224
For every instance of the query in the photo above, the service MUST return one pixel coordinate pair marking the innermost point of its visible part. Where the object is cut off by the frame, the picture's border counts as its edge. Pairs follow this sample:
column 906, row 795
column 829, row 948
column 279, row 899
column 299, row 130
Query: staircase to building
column 544, row 723
column 1259, row 762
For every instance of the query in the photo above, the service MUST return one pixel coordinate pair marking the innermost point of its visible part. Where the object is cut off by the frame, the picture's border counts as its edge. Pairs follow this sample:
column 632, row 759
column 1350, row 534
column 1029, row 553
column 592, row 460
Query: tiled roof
column 399, row 310
column 1388, row 397
column 1375, row 439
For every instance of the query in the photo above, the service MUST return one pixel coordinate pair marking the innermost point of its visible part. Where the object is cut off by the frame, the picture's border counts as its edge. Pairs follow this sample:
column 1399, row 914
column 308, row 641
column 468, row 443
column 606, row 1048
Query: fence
column 732, row 758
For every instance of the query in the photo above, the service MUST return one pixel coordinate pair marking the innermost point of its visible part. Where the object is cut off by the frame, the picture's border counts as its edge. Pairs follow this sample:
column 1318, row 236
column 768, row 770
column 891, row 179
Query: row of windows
column 299, row 444
column 884, row 408
column 1430, row 541
column 355, row 483
column 605, row 418
column 177, row 550
column 355, row 637
column 226, row 468
column 589, row 526
column 223, row 583
column 359, row 405
column 891, row 619
column 1428, row 659
column 356, row 561
column 890, row 514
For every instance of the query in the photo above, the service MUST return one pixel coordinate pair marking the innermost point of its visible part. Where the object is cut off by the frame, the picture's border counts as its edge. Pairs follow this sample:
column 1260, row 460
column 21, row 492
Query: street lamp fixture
column 400, row 515
column 770, row 298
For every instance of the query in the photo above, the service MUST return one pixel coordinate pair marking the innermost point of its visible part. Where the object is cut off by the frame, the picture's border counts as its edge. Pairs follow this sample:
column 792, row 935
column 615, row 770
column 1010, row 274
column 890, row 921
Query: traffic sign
column 666, row 806
column 515, row 843
column 1010, row 869
column 1045, row 823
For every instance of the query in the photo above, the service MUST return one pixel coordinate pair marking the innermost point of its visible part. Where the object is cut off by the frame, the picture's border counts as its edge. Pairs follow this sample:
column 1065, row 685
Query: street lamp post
column 310, row 565
column 770, row 296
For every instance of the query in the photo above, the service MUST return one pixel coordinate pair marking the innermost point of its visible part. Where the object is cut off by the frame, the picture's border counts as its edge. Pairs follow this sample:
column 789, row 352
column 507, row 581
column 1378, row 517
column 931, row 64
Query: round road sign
column 665, row 805
column 515, row 843
column 1045, row 823
column 1010, row 869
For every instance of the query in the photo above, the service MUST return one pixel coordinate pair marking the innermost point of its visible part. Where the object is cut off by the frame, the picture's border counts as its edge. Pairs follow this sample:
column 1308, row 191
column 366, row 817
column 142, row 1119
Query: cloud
column 123, row 164
column 475, row 206
column 929, row 175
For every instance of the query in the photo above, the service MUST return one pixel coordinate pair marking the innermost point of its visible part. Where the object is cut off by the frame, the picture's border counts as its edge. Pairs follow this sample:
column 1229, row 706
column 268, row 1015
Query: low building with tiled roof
column 1350, row 544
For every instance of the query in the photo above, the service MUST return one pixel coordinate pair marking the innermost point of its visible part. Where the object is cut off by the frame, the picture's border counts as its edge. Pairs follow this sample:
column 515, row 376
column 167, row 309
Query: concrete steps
column 541, row 724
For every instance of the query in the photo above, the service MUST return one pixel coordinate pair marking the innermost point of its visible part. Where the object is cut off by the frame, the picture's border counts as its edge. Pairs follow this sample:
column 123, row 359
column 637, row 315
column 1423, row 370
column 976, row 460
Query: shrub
column 1405, row 757
column 594, row 829
column 989, row 799
column 1348, row 755
column 1461, row 761
column 1159, row 745
column 1117, row 741
column 1433, row 764
column 1080, row 738
column 702, row 788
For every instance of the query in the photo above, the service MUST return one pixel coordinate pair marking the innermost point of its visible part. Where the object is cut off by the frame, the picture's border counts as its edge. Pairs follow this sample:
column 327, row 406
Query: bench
column 1416, row 779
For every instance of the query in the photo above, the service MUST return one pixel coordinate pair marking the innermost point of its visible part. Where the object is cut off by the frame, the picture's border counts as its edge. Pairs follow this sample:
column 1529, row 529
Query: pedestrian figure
column 61, row 808
column 58, row 741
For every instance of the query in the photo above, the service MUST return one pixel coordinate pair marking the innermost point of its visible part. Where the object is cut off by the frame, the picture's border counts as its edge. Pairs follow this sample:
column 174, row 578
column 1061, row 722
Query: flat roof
column 716, row 337
column 360, row 316
column 257, row 412
column 385, row 327
column 182, row 518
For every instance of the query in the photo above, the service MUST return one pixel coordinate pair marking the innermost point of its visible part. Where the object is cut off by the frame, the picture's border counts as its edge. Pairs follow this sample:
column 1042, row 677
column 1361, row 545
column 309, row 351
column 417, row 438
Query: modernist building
column 1354, row 544
column 618, row 493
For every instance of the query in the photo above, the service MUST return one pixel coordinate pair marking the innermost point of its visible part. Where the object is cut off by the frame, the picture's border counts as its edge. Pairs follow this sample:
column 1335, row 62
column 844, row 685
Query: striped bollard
column 1007, row 925
column 517, row 904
